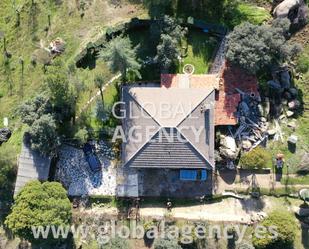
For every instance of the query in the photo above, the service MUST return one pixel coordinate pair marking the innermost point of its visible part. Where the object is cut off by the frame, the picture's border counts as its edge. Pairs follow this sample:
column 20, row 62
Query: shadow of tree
column 305, row 236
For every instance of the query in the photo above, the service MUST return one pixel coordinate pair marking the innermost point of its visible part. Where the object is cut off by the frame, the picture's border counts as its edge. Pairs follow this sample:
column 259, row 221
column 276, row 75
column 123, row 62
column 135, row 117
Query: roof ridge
column 192, row 110
column 158, row 123
column 198, row 151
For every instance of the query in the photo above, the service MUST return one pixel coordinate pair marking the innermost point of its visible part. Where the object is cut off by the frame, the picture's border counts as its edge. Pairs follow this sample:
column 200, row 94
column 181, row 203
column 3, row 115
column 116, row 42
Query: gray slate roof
column 168, row 149
column 156, row 150
column 31, row 166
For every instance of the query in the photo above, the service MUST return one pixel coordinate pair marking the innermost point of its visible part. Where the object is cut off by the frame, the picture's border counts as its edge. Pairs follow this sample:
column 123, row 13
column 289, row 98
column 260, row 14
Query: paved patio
column 166, row 183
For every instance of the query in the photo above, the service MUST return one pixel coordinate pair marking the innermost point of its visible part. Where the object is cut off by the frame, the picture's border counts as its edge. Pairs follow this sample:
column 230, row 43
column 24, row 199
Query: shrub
column 81, row 136
column 43, row 135
column 303, row 63
column 39, row 204
column 166, row 244
column 117, row 243
column 286, row 227
column 256, row 158
column 255, row 48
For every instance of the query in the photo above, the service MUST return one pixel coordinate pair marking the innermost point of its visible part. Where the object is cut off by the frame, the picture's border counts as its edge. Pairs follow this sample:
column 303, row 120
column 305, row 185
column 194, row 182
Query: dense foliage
column 167, row 52
column 166, row 244
column 256, row 158
column 117, row 243
column 255, row 47
column 121, row 56
column 286, row 227
column 39, row 204
column 43, row 135
column 33, row 109
column 60, row 92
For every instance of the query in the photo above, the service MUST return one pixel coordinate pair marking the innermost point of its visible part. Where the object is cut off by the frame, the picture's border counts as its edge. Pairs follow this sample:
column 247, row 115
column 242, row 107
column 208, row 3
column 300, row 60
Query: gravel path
column 74, row 173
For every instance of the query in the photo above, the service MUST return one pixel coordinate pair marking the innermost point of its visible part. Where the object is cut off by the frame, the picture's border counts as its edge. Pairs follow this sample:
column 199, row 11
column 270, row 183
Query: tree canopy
column 167, row 52
column 39, row 204
column 60, row 92
column 286, row 227
column 33, row 109
column 43, row 135
column 255, row 47
column 121, row 56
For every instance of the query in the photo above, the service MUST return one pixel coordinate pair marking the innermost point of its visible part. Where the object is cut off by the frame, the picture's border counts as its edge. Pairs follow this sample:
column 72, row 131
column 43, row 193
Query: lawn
column 200, row 51
column 251, row 13
column 24, row 39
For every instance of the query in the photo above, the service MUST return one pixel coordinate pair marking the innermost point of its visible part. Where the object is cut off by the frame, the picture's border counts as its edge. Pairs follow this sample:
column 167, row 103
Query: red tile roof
column 227, row 98
column 194, row 80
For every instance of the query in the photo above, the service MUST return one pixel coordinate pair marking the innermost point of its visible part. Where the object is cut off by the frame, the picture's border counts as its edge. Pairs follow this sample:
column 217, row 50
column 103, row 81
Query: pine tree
column 121, row 57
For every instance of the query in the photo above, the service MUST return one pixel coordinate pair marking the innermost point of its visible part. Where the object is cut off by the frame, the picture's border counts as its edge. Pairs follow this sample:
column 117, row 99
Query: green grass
column 200, row 51
column 298, row 180
column 252, row 13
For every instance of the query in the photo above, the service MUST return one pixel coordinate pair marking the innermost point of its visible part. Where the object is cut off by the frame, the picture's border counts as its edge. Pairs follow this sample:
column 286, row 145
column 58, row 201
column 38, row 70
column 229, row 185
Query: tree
column 166, row 244
column 286, row 227
column 157, row 8
column 121, row 57
column 256, row 158
column 168, row 26
column 100, row 81
column 60, row 92
column 255, row 47
column 117, row 243
column 167, row 52
column 43, row 135
column 100, row 112
column 39, row 204
column 33, row 109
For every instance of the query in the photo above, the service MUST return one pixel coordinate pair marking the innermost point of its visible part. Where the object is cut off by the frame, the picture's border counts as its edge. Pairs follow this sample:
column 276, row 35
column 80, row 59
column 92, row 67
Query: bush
column 166, row 244
column 43, row 135
column 255, row 48
column 286, row 228
column 81, row 136
column 256, row 158
column 303, row 63
column 117, row 243
column 39, row 204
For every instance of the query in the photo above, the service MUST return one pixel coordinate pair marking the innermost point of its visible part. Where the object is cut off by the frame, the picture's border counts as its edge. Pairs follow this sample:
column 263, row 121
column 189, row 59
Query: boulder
column 285, row 79
column 303, row 166
column 287, row 95
column 274, row 84
column 294, row 104
column 246, row 144
column 295, row 10
column 289, row 114
column 228, row 142
column 228, row 148
column 292, row 139
column 283, row 9
column 5, row 135
column 302, row 212
column 244, row 108
column 293, row 92
column 271, row 132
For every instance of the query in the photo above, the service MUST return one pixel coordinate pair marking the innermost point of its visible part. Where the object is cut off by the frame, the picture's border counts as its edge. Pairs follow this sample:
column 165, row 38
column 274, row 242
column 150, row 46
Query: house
column 170, row 128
